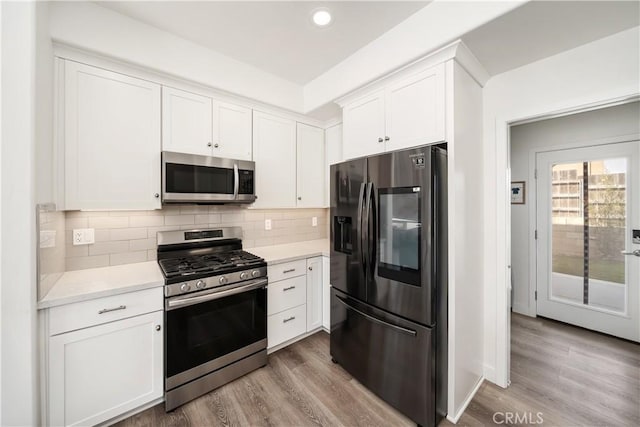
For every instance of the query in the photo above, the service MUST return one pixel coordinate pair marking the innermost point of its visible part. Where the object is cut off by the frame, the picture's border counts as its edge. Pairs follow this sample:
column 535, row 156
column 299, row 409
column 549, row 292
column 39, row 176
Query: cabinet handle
column 156, row 195
column 216, row 145
column 380, row 139
column 289, row 271
column 289, row 319
column 208, row 144
column 299, row 198
column 310, row 268
column 158, row 327
column 107, row 310
column 288, row 289
column 386, row 138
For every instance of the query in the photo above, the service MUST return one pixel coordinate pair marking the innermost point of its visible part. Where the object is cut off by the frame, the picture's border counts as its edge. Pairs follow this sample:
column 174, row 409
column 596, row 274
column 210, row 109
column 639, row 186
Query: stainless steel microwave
column 189, row 178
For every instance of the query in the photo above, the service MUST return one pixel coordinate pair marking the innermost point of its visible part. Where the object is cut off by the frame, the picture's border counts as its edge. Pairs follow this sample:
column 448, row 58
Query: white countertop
column 82, row 285
column 277, row 254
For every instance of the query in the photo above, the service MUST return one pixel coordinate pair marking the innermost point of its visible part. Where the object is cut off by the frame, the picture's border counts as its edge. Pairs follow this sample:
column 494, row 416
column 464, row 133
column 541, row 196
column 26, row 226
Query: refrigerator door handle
column 361, row 229
column 378, row 321
column 372, row 228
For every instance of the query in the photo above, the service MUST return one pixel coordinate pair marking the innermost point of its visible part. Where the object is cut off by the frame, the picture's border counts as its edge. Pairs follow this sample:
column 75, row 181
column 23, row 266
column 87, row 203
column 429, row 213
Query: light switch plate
column 314, row 221
column 84, row 236
column 267, row 224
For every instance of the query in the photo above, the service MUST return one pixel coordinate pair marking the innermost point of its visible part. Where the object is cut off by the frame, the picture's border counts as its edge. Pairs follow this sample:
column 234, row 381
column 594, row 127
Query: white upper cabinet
column 310, row 167
column 186, row 122
column 231, row 131
column 333, row 143
column 415, row 110
column 197, row 124
column 363, row 122
column 274, row 151
column 405, row 113
column 111, row 140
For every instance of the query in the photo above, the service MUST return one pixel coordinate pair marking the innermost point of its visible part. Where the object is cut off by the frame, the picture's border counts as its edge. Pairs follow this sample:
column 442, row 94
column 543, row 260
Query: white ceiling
column 277, row 37
column 543, row 28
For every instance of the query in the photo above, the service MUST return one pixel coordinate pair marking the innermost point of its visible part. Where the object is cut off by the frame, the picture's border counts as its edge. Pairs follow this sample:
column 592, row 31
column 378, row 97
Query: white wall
column 465, row 243
column 602, row 70
column 526, row 140
column 432, row 27
column 18, row 281
column 91, row 27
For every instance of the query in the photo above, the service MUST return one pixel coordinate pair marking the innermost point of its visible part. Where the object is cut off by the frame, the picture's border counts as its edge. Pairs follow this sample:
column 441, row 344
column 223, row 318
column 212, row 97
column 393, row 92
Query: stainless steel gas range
column 215, row 311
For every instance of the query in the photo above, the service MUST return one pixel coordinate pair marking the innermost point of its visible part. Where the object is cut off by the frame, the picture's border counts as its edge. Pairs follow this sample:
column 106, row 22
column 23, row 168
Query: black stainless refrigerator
column 389, row 277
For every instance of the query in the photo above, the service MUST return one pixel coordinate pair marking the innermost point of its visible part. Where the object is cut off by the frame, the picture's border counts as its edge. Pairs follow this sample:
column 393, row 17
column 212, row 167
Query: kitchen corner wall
column 51, row 250
column 123, row 237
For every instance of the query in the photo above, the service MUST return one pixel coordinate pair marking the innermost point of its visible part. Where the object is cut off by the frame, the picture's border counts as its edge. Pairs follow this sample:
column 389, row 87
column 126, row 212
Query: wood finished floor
column 571, row 375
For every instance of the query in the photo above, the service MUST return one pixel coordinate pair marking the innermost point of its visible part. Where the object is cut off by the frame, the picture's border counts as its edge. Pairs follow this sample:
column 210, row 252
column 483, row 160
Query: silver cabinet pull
column 636, row 252
column 107, row 310
column 310, row 268
column 289, row 319
column 299, row 198
column 289, row 271
column 288, row 289
column 156, row 195
column 208, row 144
column 216, row 145
column 380, row 139
column 386, row 138
column 158, row 327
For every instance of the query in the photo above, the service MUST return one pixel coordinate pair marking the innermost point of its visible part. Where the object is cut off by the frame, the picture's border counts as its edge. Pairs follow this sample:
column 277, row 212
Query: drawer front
column 286, row 325
column 287, row 270
column 286, row 294
column 83, row 314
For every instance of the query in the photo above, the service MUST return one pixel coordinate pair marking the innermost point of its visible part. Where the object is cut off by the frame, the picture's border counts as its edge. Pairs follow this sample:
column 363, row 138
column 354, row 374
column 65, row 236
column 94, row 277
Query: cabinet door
column 363, row 122
column 274, row 151
column 231, row 131
column 415, row 110
column 186, row 122
column 112, row 140
column 333, row 147
column 311, row 178
column 101, row 372
column 326, row 294
column 314, row 293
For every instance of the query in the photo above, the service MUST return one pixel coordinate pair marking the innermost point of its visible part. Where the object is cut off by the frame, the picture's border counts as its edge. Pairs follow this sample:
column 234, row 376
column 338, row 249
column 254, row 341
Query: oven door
column 208, row 330
column 193, row 178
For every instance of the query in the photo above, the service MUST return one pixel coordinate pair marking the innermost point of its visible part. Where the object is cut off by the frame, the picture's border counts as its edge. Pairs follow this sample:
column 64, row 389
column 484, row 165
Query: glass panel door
column 588, row 265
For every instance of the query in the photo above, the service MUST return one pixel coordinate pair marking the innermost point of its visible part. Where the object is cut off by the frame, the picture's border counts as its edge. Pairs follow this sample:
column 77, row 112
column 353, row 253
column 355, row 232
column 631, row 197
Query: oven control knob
column 200, row 284
column 255, row 273
column 244, row 275
column 185, row 287
column 223, row 280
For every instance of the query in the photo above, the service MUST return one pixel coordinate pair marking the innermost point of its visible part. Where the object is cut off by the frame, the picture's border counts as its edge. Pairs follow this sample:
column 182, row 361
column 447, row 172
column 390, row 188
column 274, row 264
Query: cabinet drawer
column 286, row 294
column 102, row 310
column 287, row 270
column 286, row 325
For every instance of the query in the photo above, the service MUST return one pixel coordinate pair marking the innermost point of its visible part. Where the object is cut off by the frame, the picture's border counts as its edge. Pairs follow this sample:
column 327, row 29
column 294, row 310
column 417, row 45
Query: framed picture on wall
column 517, row 192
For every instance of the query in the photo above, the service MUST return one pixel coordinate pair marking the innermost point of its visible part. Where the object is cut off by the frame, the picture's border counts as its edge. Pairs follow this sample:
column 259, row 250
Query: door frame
column 502, row 207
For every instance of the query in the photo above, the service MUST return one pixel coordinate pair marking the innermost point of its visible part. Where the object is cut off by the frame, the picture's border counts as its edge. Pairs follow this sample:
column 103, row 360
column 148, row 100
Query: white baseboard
column 523, row 309
column 454, row 419
column 291, row 341
column 131, row 412
column 490, row 373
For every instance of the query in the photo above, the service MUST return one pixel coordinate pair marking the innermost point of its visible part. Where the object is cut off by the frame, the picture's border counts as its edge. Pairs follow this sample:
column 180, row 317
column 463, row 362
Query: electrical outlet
column 314, row 221
column 47, row 239
column 267, row 224
column 84, row 236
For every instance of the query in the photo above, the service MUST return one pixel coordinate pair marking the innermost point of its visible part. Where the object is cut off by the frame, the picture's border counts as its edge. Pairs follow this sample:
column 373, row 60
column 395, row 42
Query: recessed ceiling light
column 321, row 17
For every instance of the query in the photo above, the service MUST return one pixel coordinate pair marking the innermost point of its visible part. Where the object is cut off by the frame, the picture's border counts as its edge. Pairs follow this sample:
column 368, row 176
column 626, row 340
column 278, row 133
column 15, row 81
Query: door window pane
column 588, row 210
column 399, row 234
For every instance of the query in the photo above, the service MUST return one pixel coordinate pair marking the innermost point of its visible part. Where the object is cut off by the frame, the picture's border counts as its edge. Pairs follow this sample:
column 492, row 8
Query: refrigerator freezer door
column 348, row 242
column 389, row 355
column 402, row 223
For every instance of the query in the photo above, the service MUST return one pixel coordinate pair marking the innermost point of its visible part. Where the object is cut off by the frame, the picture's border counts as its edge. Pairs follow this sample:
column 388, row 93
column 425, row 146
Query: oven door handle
column 179, row 302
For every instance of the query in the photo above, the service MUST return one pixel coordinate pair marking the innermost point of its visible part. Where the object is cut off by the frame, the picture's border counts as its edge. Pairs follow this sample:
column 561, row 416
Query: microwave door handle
column 236, row 181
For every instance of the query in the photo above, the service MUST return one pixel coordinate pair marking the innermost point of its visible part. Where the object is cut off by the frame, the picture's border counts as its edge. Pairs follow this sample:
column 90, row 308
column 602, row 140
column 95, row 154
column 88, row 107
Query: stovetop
column 209, row 264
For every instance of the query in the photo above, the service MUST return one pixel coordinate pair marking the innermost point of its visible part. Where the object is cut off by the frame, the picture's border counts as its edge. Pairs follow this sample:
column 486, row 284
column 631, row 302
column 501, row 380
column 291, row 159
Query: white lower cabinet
column 294, row 300
column 326, row 294
column 100, row 372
